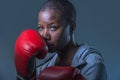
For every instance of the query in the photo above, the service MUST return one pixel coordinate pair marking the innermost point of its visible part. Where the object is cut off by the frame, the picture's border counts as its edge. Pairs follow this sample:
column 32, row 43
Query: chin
column 51, row 50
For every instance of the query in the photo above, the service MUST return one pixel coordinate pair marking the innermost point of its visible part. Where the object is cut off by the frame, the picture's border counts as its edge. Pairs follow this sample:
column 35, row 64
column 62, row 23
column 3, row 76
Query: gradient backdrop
column 98, row 24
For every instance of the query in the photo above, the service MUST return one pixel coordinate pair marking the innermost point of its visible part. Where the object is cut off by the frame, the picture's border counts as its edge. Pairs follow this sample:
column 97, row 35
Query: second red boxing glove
column 60, row 73
column 28, row 46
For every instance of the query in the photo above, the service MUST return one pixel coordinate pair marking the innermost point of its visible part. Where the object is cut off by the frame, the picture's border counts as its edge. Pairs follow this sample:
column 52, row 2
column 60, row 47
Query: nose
column 45, row 34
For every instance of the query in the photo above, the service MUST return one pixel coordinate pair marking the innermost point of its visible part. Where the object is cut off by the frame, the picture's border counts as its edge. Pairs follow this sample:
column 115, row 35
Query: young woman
column 56, row 24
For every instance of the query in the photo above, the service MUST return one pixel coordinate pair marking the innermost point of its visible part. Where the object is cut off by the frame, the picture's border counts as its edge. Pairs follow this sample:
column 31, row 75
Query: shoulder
column 90, row 63
column 93, row 55
column 87, row 54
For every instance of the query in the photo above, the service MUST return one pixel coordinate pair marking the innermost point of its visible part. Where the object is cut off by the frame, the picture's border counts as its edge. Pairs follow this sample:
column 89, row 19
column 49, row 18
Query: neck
column 66, row 55
column 69, row 47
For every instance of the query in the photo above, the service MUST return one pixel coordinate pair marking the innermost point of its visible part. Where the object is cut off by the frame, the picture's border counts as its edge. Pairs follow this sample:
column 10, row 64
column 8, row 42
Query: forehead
column 49, row 14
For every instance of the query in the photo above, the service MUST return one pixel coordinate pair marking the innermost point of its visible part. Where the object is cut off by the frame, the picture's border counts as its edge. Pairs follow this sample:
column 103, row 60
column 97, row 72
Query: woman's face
column 53, row 29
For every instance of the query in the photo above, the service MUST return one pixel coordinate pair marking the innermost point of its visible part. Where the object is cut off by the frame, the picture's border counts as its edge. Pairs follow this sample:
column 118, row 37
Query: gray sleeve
column 94, row 68
column 90, row 63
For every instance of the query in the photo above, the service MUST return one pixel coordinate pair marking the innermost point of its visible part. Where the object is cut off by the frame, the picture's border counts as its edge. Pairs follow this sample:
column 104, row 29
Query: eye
column 40, row 28
column 53, row 28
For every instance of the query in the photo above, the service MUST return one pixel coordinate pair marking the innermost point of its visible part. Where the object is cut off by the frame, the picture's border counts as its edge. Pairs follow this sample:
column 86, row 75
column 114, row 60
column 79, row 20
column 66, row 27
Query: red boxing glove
column 60, row 73
column 28, row 46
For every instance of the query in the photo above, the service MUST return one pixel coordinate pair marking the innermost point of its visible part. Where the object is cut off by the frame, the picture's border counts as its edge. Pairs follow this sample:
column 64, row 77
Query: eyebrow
column 39, row 24
column 49, row 23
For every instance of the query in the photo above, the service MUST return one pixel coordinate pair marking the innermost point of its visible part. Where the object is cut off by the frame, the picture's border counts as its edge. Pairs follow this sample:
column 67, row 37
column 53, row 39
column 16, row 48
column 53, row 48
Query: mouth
column 49, row 45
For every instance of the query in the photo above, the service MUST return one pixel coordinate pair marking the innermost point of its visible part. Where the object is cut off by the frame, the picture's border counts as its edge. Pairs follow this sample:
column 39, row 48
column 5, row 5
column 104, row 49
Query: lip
column 49, row 45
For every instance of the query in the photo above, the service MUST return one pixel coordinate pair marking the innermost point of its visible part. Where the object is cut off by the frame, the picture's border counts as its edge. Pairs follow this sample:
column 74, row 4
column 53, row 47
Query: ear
column 72, row 27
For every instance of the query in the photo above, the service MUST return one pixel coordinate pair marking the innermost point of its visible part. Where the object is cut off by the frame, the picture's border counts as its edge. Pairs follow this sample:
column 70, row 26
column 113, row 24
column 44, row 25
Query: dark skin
column 58, row 35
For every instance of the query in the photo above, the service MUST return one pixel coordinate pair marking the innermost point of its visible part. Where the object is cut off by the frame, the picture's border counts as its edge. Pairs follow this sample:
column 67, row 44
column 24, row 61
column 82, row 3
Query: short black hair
column 64, row 7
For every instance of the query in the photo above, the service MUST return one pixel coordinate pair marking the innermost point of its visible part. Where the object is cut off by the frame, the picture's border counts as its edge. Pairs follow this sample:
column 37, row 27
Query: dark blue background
column 98, row 24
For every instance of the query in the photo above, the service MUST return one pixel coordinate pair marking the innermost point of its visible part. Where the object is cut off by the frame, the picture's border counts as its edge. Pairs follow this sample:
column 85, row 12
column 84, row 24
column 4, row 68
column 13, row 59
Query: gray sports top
column 87, row 59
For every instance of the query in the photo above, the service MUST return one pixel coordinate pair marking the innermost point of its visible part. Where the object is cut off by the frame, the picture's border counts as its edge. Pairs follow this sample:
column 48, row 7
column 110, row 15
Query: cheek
column 61, row 37
column 55, row 37
column 65, row 36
